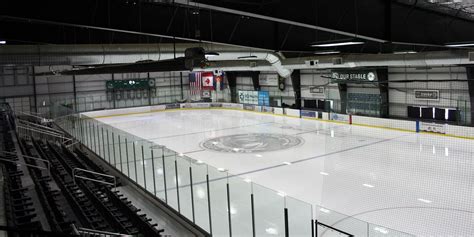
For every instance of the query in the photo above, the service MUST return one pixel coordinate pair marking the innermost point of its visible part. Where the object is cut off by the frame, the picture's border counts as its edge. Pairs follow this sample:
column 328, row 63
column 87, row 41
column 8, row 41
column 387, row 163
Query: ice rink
column 421, row 184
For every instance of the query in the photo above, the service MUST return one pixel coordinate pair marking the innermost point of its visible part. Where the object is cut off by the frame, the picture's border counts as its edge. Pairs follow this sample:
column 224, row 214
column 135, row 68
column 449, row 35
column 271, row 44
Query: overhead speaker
column 337, row 61
column 218, row 72
column 312, row 63
column 281, row 83
column 194, row 57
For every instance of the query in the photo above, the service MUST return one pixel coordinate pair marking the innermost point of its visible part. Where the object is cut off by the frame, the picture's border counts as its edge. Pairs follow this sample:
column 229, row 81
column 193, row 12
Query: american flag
column 195, row 82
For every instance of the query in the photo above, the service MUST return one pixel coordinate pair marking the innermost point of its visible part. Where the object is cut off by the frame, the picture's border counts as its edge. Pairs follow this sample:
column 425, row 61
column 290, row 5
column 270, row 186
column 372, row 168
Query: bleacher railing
column 219, row 202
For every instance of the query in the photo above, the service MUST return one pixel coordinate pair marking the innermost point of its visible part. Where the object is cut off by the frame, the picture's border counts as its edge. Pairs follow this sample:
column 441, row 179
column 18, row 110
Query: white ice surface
column 376, row 175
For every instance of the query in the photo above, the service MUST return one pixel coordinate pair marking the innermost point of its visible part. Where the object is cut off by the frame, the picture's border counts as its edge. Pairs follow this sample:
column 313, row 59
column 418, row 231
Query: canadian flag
column 208, row 80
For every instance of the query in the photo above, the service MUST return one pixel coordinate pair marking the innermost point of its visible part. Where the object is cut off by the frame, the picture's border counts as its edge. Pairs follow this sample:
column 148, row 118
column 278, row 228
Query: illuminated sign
column 359, row 75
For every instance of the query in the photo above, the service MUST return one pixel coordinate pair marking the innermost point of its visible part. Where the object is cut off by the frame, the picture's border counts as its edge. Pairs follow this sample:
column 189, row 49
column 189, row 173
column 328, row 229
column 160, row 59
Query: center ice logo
column 252, row 142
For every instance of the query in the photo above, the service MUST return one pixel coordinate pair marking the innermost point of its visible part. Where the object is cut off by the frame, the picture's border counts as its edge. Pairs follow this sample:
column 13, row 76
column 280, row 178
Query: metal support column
column 296, row 83
column 34, row 91
column 470, row 82
column 74, row 91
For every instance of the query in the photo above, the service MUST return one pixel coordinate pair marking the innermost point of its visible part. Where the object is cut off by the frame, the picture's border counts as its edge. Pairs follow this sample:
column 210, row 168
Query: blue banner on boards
column 309, row 114
column 264, row 98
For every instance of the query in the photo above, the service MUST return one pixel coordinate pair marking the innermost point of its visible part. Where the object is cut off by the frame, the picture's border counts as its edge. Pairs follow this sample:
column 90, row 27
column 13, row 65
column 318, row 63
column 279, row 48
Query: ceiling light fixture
column 462, row 44
column 405, row 52
column 336, row 43
column 211, row 54
column 325, row 52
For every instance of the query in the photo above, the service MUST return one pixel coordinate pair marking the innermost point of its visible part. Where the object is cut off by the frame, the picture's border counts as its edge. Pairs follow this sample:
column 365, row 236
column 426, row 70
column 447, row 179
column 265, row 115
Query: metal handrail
column 99, row 232
column 74, row 176
column 31, row 115
column 29, row 157
column 21, row 163
column 61, row 135
column 39, row 125
column 72, row 144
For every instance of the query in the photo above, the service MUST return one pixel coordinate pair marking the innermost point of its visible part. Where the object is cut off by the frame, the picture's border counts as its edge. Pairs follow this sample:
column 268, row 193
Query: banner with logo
column 173, row 106
column 248, row 97
column 354, row 75
column 433, row 127
column 249, row 107
column 427, row 94
column 268, row 79
column 264, row 98
column 232, row 106
column 208, row 81
column 340, row 117
column 308, row 114
column 254, row 97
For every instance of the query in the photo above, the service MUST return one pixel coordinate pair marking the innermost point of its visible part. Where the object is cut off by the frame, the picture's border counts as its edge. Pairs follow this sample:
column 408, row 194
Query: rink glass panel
column 214, row 199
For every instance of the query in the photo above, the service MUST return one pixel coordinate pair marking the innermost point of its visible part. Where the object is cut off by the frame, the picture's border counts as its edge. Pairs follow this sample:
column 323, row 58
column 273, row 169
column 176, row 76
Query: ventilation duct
column 228, row 58
column 426, row 59
column 49, row 55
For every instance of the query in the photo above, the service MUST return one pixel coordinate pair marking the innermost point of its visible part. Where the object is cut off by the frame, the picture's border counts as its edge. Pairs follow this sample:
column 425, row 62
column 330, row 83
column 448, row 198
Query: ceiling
column 285, row 26
column 466, row 6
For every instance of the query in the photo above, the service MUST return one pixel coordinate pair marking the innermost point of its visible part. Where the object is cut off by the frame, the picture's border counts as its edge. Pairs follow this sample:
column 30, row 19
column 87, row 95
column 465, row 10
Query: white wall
column 314, row 78
column 287, row 96
column 16, row 87
column 453, row 94
column 309, row 78
column 92, row 94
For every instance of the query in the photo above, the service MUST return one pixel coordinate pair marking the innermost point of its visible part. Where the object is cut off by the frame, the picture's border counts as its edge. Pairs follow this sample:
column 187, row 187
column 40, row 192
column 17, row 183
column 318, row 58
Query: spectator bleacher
column 50, row 189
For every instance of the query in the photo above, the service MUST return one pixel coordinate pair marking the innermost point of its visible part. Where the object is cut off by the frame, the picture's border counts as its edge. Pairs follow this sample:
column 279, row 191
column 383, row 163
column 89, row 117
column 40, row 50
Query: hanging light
column 337, row 43
column 211, row 54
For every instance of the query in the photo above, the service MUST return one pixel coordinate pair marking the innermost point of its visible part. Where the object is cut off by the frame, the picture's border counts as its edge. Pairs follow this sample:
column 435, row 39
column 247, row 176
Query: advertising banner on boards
column 255, row 97
column 308, row 114
column 249, row 107
column 248, row 97
column 433, row 127
column 173, row 106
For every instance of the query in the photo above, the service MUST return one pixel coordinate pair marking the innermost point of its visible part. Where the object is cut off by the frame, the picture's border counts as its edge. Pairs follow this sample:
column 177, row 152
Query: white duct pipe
column 101, row 54
column 274, row 59
column 427, row 59
column 127, row 53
